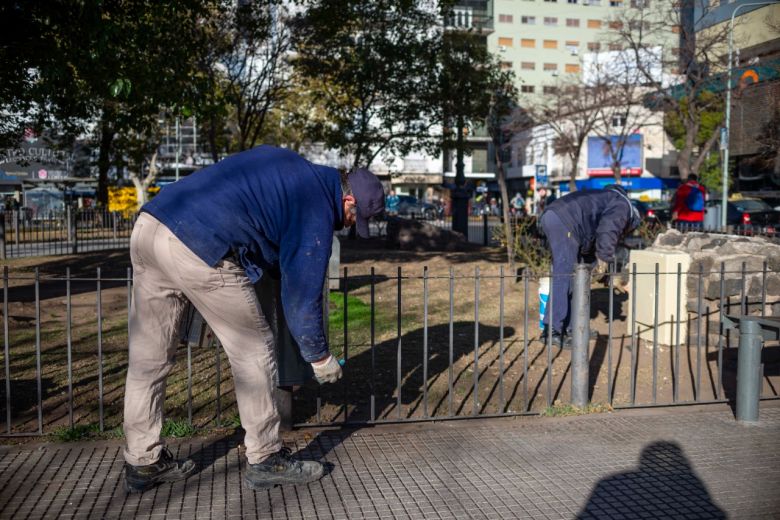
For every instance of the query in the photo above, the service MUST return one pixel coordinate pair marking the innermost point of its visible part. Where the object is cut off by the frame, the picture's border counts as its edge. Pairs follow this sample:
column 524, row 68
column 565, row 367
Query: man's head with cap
column 364, row 199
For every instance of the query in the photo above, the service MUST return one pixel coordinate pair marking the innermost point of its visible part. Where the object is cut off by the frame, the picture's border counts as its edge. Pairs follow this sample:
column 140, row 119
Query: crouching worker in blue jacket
column 584, row 226
column 208, row 238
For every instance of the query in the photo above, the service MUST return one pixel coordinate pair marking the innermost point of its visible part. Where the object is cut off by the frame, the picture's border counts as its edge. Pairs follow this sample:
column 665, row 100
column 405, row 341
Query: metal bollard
column 580, row 335
column 749, row 370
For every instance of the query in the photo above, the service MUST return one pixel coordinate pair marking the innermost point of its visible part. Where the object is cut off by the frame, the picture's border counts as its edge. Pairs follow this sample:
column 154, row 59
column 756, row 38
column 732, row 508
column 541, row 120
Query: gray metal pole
column 749, row 370
column 580, row 335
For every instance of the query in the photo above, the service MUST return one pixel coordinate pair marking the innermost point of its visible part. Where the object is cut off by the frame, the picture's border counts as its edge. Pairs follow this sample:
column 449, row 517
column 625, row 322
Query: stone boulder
column 412, row 235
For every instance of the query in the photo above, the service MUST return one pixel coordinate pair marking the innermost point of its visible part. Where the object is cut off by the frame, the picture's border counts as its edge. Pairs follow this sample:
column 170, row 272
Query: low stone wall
column 708, row 252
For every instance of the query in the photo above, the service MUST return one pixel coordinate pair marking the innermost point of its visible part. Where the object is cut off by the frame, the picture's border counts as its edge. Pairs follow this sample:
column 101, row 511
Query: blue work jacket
column 275, row 212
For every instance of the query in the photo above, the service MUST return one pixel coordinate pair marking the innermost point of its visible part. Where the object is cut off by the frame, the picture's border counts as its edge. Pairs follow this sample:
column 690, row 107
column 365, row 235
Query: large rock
column 412, row 235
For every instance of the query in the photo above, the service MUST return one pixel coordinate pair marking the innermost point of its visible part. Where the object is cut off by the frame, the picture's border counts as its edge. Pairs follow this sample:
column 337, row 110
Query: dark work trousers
column 565, row 253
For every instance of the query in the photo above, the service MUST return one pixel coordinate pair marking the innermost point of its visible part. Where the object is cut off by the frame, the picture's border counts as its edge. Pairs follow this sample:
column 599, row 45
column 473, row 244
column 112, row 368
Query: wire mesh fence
column 417, row 345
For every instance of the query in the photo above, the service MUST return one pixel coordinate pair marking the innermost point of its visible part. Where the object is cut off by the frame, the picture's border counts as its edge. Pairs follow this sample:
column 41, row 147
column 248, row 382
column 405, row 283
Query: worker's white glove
column 601, row 267
column 327, row 370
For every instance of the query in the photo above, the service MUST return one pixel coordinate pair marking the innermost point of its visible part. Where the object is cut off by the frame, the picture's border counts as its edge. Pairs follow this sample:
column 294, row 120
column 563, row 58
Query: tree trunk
column 508, row 231
column 104, row 158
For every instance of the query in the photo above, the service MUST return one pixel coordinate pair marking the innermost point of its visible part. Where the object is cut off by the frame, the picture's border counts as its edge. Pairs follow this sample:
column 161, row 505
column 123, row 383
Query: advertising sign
column 541, row 175
column 600, row 159
column 34, row 159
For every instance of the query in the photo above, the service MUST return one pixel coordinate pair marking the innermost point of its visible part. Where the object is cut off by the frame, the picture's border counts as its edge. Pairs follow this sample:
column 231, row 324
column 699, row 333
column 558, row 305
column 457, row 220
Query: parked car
column 409, row 206
column 750, row 215
column 660, row 211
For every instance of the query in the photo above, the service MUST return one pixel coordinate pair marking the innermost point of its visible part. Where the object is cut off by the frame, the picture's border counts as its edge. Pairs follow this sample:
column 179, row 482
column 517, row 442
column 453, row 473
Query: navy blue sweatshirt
column 272, row 210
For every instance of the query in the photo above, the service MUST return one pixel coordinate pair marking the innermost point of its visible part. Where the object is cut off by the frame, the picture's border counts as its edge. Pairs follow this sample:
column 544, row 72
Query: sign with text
column 600, row 153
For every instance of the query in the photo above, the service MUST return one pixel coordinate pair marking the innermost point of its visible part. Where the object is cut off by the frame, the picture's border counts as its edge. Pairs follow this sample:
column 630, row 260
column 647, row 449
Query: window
column 594, row 2
column 550, row 66
column 618, row 121
column 528, row 65
column 572, row 22
column 550, row 20
column 547, row 89
column 572, row 68
column 505, row 18
column 528, row 43
column 615, row 3
column 572, row 1
column 505, row 42
column 527, row 89
column 506, row 65
column 594, row 46
column 594, row 24
column 552, row 1
column 615, row 47
column 550, row 44
column 572, row 44
column 616, row 25
column 528, row 20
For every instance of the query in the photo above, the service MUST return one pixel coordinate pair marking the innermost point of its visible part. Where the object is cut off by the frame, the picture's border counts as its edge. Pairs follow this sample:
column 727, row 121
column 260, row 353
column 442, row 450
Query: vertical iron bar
column 722, row 331
column 69, row 339
column 525, row 340
column 345, row 383
column 548, row 314
column 100, row 347
column 485, row 229
column 38, row 348
column 425, row 341
column 609, row 330
column 373, row 340
column 219, row 381
column 398, row 353
column 634, row 340
column 476, row 341
column 7, row 347
column 655, row 336
column 676, row 367
column 189, row 382
column 743, row 296
column 501, row 339
column 698, row 331
column 763, row 290
column 450, row 369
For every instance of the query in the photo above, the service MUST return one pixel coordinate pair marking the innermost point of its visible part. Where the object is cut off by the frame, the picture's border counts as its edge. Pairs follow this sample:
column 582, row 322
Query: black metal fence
column 63, row 232
column 416, row 346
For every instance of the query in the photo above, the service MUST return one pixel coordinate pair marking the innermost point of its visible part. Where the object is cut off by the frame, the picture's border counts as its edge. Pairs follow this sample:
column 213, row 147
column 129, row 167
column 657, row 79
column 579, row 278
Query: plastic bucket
column 544, row 297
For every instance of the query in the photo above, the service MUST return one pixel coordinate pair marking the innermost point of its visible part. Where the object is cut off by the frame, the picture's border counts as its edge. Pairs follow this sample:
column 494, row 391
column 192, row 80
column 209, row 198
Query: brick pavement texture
column 698, row 464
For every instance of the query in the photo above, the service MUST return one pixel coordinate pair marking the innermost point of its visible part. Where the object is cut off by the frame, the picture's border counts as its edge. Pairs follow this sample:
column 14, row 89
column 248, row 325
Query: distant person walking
column 582, row 227
column 688, row 204
column 391, row 203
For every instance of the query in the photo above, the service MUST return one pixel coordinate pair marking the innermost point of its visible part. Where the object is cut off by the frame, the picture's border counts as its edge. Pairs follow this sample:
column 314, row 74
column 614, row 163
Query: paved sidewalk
column 680, row 463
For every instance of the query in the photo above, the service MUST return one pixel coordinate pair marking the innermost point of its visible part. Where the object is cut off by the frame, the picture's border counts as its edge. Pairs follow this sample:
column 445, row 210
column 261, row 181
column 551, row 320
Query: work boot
column 558, row 339
column 167, row 469
column 279, row 469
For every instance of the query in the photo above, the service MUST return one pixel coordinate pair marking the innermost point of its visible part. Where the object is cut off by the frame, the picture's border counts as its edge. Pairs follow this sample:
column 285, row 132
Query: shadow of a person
column 664, row 486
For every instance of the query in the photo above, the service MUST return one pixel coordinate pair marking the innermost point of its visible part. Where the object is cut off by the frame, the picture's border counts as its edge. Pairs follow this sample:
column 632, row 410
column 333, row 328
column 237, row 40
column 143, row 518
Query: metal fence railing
column 66, row 232
column 417, row 346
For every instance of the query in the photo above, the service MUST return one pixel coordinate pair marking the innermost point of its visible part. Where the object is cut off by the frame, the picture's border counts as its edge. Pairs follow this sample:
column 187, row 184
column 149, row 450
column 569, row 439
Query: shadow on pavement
column 663, row 486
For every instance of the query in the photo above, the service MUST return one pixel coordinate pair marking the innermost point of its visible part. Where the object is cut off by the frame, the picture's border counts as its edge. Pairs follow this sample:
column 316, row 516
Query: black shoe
column 558, row 339
column 167, row 469
column 279, row 469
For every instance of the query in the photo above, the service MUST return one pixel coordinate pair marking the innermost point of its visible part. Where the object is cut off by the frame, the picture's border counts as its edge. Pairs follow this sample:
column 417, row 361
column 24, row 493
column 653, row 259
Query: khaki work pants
column 165, row 275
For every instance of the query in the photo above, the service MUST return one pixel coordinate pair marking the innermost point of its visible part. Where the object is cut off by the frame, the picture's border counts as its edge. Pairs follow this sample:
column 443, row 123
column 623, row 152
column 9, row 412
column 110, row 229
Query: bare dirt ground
column 492, row 352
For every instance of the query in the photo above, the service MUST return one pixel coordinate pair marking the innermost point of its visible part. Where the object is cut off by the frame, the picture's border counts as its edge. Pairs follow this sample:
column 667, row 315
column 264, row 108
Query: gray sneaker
column 280, row 469
column 167, row 469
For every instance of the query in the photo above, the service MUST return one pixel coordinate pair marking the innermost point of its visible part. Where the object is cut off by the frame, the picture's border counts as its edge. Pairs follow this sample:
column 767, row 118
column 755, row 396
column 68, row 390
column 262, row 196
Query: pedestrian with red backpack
column 688, row 205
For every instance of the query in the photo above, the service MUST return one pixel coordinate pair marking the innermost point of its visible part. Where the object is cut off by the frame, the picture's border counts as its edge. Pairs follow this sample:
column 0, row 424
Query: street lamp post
column 727, row 133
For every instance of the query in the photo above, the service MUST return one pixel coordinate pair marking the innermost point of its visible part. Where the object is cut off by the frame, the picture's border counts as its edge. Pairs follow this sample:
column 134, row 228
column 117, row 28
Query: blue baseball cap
column 369, row 196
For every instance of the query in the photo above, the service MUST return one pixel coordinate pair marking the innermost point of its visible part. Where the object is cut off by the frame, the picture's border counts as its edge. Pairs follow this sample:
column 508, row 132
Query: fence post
column 580, row 335
column 71, row 223
column 2, row 236
column 749, row 370
column 485, row 229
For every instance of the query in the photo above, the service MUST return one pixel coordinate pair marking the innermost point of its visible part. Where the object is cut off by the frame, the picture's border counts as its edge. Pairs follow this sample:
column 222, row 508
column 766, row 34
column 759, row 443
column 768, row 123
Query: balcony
column 471, row 14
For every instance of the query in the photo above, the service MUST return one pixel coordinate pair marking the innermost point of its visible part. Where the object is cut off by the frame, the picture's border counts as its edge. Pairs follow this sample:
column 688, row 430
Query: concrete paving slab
column 692, row 464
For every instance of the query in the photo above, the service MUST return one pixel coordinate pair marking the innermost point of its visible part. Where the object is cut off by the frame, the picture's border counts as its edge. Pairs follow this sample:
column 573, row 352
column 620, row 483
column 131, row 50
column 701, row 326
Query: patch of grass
column 77, row 433
column 234, row 421
column 177, row 428
column 559, row 409
column 113, row 433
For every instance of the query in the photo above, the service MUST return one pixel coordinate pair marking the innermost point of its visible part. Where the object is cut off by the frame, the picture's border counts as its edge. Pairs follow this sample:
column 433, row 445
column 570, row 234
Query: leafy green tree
column 370, row 67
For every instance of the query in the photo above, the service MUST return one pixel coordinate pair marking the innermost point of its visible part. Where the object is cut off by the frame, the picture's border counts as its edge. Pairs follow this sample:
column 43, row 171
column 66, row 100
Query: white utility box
column 644, row 292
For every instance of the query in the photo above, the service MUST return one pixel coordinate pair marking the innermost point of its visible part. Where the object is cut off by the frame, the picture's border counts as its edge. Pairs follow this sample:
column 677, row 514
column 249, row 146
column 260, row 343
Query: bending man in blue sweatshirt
column 208, row 238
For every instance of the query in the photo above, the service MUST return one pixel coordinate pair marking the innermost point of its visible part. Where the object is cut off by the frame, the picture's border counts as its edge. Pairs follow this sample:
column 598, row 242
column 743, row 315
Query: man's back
column 688, row 204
